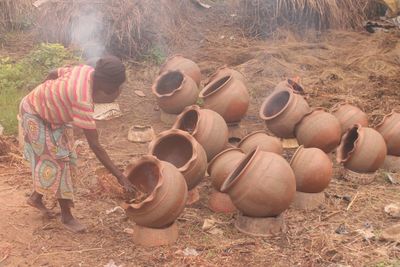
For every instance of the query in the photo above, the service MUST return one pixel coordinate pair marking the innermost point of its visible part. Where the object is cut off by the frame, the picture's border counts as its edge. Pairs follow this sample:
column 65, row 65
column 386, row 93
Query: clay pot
column 319, row 129
column 227, row 96
column 282, row 110
column 183, row 64
column 349, row 115
column 223, row 164
column 290, row 84
column 262, row 185
column 165, row 188
column 175, row 91
column 312, row 168
column 225, row 71
column 263, row 141
column 184, row 152
column 362, row 149
column 206, row 126
column 390, row 130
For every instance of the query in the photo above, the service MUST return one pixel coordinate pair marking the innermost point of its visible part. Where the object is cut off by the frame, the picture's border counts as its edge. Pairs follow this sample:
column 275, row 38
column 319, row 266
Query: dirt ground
column 357, row 67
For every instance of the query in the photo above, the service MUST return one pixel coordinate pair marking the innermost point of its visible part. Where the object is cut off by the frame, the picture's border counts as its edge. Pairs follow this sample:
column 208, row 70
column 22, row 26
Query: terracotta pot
column 263, row 141
column 165, row 188
column 362, row 149
column 282, row 110
column 312, row 168
column 262, row 185
column 175, row 91
column 183, row 64
column 349, row 115
column 319, row 129
column 390, row 130
column 184, row 152
column 225, row 71
column 206, row 126
column 223, row 164
column 290, row 84
column 227, row 96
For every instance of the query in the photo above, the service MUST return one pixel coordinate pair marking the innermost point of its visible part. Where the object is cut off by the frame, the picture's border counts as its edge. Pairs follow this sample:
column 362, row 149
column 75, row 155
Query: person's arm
column 93, row 140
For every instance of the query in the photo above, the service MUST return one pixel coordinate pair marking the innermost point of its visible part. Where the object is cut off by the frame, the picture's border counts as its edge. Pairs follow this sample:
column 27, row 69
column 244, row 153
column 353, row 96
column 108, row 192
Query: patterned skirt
column 49, row 149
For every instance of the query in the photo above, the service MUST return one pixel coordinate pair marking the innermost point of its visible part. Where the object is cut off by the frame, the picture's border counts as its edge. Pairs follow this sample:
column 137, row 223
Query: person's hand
column 128, row 186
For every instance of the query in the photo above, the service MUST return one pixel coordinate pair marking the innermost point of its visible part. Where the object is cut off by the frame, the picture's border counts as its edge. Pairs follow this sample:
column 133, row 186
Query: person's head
column 109, row 75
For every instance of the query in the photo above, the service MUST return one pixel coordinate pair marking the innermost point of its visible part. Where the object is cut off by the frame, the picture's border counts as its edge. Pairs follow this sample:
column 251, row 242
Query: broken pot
column 290, row 84
column 225, row 71
column 349, row 115
column 263, row 141
column 183, row 64
column 390, row 130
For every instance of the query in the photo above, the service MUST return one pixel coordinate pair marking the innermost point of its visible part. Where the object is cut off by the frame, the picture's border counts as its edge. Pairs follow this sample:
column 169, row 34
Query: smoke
column 87, row 31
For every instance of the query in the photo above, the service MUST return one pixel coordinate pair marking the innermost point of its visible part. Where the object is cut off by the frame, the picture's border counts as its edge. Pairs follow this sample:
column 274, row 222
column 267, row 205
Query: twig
column 4, row 258
column 331, row 215
column 66, row 252
column 352, row 201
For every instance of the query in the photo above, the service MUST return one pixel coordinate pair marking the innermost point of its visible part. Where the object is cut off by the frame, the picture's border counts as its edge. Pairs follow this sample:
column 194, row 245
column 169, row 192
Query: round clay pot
column 290, row 84
column 312, row 168
column 390, row 130
column 206, row 126
column 227, row 96
column 282, row 110
column 349, row 115
column 319, row 129
column 225, row 71
column 164, row 187
column 263, row 141
column 262, row 185
column 183, row 64
column 184, row 152
column 362, row 149
column 175, row 91
column 222, row 165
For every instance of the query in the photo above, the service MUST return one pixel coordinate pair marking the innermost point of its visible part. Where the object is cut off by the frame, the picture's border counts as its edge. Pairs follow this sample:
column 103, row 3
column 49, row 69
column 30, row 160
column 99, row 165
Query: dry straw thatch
column 262, row 17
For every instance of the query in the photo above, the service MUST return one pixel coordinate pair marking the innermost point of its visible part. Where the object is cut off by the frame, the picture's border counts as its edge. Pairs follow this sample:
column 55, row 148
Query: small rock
column 208, row 224
column 216, row 231
column 341, row 230
column 190, row 252
column 128, row 231
column 367, row 234
column 139, row 93
column 393, row 210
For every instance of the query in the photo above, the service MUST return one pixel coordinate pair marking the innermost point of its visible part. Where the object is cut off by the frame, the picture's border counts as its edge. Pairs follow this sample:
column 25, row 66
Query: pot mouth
column 392, row 113
column 235, row 175
column 250, row 135
column 211, row 163
column 188, row 121
column 275, row 104
column 168, row 83
column 215, row 86
column 296, row 153
column 348, row 143
column 296, row 86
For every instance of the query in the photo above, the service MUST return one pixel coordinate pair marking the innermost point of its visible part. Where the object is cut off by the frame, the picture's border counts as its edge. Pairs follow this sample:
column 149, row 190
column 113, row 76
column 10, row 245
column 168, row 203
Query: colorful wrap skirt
column 49, row 149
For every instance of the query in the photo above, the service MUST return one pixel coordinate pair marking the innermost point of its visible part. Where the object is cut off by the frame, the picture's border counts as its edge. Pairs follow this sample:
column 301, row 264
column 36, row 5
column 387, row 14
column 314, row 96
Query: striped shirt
column 67, row 99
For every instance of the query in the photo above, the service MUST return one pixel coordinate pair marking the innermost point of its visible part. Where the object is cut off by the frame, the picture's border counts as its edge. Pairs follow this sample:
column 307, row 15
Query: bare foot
column 38, row 204
column 74, row 226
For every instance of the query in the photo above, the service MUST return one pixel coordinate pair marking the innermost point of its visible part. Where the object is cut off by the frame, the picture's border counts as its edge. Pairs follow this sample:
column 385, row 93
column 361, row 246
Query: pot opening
column 169, row 82
column 296, row 87
column 188, row 123
column 145, row 178
column 216, row 85
column 349, row 141
column 174, row 149
column 276, row 103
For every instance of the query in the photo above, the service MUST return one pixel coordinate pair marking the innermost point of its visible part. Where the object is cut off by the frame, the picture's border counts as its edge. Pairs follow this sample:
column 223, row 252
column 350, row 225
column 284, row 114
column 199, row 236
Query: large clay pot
column 319, row 129
column 282, row 110
column 312, row 168
column 290, row 84
column 207, row 126
column 262, row 185
column 184, row 152
column 390, row 130
column 225, row 71
column 227, row 96
column 362, row 149
column 263, row 141
column 175, row 91
column 222, row 165
column 164, row 187
column 183, row 64
column 349, row 115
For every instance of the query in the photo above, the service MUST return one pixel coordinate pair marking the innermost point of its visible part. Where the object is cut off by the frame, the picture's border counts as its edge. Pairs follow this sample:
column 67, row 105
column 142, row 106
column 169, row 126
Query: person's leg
column 67, row 219
column 36, row 201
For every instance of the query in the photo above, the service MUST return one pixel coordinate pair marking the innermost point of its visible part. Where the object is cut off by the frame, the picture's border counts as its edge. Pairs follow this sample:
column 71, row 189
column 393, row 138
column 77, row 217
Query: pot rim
column 309, row 113
column 291, row 97
column 250, row 135
column 154, row 86
column 250, row 157
column 392, row 113
column 215, row 73
column 136, row 164
column 211, row 163
column 166, row 133
column 296, row 153
column 164, row 65
column 187, row 109
column 202, row 92
column 339, row 156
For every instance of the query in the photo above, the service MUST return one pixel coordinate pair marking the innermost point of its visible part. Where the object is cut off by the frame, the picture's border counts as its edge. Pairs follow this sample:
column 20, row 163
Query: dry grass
column 15, row 14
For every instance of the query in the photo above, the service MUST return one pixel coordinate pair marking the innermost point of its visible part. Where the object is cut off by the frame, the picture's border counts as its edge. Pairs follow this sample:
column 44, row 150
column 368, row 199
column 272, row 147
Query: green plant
column 156, row 54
